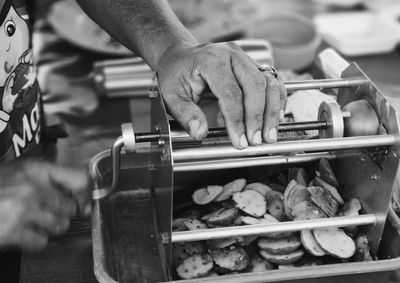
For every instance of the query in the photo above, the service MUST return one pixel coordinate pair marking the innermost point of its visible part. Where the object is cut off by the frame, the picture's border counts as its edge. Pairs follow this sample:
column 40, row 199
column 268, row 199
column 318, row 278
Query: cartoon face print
column 14, row 41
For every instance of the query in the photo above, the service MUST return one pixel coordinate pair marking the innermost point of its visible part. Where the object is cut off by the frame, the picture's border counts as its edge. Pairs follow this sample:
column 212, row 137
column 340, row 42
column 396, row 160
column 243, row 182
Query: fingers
column 64, row 190
column 253, row 85
column 190, row 116
column 272, row 109
column 283, row 96
column 49, row 222
column 223, row 83
column 72, row 182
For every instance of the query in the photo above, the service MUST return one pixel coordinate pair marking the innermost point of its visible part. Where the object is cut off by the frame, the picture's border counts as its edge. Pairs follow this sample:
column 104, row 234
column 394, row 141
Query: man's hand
column 37, row 201
column 250, row 101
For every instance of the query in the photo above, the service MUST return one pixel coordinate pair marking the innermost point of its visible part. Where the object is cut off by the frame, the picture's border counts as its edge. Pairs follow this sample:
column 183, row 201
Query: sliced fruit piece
column 238, row 220
column 299, row 175
column 351, row 208
column 230, row 189
column 258, row 264
column 247, row 240
column 309, row 260
column 310, row 244
column 182, row 251
column 251, row 202
column 362, row 249
column 224, row 217
column 307, row 210
column 230, row 259
column 206, row 195
column 280, row 246
column 282, row 259
column 326, row 172
column 258, row 187
column 335, row 242
column 324, row 200
column 318, row 182
column 275, row 204
column 223, row 243
column 178, row 224
column 195, row 266
column 248, row 220
column 194, row 224
column 293, row 195
column 205, row 217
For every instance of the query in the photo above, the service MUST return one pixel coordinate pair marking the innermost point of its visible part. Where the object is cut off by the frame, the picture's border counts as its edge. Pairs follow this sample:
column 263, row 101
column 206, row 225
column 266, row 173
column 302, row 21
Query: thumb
column 189, row 115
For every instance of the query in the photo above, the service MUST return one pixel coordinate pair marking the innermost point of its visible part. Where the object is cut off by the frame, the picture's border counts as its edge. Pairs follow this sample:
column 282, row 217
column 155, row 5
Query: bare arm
column 148, row 27
column 250, row 102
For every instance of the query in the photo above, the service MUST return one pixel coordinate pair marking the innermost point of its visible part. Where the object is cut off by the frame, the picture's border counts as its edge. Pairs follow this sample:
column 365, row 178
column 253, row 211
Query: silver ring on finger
column 268, row 69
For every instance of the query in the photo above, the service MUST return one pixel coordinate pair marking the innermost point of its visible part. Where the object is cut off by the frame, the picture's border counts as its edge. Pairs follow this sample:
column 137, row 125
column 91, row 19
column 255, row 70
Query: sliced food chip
column 285, row 259
column 230, row 189
column 324, row 200
column 327, row 173
column 194, row 224
column 230, row 259
column 335, row 242
column 310, row 244
column 206, row 195
column 258, row 187
column 251, row 202
column 280, row 246
column 224, row 217
column 195, row 266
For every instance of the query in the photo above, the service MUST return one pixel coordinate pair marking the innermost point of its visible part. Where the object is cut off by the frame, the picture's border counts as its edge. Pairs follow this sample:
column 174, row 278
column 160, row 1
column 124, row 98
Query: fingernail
column 281, row 115
column 257, row 138
column 243, row 141
column 194, row 127
column 273, row 135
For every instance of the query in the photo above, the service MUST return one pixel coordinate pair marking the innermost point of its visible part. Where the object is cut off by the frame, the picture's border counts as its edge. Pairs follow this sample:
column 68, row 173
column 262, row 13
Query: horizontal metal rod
column 228, row 151
column 325, row 83
column 262, row 229
column 143, row 81
column 183, row 136
column 248, row 162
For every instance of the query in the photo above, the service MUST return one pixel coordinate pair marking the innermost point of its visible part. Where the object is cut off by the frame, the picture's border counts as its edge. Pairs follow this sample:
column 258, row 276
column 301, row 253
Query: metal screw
column 161, row 142
column 165, row 238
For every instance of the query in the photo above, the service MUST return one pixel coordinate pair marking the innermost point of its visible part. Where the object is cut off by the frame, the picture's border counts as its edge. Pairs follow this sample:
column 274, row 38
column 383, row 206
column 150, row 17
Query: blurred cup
column 293, row 37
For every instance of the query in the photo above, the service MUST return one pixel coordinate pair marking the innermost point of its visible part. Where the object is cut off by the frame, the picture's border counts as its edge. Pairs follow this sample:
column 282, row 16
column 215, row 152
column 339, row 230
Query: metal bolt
column 161, row 142
column 165, row 238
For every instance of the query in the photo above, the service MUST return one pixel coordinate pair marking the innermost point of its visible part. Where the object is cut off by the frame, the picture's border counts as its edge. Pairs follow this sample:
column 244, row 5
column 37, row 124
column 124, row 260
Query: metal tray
column 126, row 246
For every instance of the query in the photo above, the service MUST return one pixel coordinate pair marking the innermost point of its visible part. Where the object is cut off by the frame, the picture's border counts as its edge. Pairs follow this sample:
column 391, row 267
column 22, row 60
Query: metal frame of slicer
column 366, row 167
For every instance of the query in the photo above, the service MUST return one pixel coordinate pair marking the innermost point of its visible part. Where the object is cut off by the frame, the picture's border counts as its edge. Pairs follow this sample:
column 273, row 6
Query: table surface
column 92, row 125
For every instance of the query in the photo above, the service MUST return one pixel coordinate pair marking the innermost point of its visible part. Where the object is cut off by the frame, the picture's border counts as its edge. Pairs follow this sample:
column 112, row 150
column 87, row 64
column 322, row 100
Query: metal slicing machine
column 136, row 189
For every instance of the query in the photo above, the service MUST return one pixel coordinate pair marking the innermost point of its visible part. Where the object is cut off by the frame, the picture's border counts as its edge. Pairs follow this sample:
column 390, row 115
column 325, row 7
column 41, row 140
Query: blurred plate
column 73, row 25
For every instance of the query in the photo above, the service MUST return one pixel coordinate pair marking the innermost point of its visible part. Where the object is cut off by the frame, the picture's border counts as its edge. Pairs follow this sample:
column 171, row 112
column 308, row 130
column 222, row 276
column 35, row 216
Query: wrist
column 173, row 48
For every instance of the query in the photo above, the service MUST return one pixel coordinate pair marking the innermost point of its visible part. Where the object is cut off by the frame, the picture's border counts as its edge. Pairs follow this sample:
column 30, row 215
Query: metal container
column 122, row 233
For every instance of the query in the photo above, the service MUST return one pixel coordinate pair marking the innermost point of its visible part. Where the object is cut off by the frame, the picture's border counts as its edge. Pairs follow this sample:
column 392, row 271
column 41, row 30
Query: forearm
column 147, row 27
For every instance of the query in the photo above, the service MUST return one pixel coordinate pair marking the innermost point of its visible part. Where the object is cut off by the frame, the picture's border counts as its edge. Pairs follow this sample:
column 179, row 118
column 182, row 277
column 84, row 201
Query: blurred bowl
column 293, row 37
